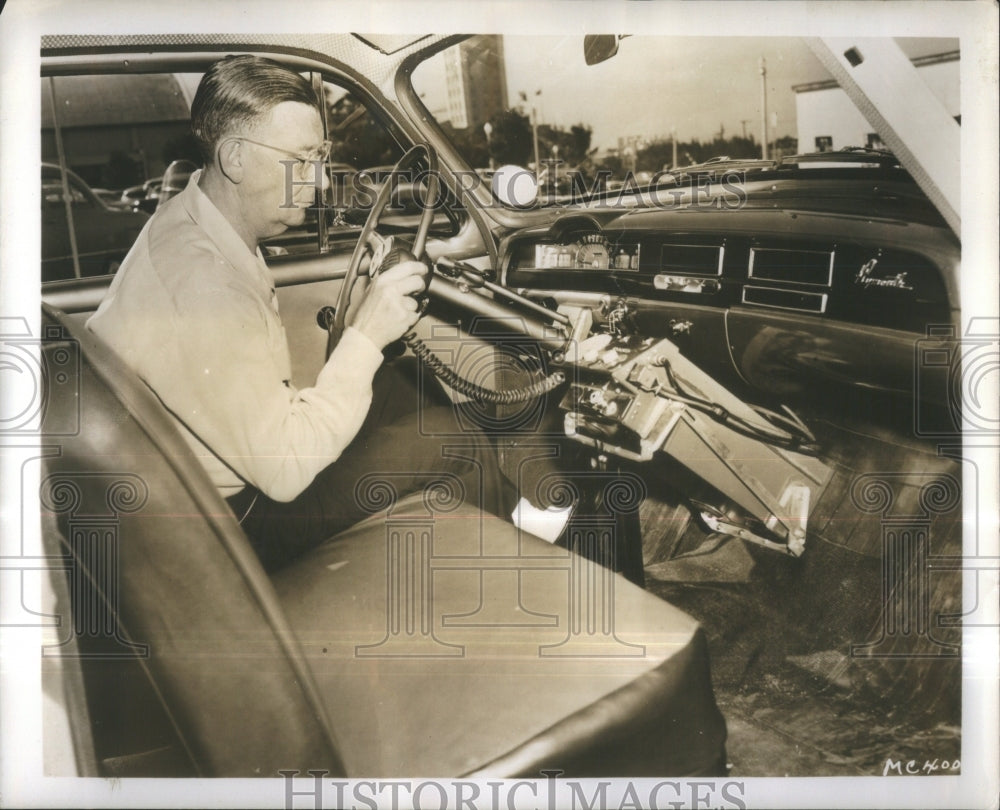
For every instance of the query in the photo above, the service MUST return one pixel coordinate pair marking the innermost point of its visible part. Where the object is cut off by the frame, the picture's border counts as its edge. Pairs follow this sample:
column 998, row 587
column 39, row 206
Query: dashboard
column 787, row 302
column 852, row 278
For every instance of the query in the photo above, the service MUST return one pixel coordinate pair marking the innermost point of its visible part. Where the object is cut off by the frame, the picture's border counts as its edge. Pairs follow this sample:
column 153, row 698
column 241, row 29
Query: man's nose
column 317, row 175
column 319, row 179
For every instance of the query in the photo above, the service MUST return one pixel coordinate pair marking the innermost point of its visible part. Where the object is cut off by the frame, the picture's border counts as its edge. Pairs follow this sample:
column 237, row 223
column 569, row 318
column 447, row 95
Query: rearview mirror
column 599, row 47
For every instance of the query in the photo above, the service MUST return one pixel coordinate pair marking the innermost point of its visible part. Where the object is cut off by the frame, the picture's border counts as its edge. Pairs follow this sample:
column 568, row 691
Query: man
column 194, row 313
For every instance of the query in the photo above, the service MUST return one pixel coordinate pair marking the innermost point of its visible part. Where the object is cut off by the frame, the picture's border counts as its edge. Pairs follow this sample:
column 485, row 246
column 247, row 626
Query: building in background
column 117, row 130
column 828, row 119
column 477, row 63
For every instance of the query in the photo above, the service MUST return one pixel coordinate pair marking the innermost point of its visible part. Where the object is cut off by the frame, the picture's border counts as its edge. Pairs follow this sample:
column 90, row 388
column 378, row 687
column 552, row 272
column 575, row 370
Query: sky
column 696, row 85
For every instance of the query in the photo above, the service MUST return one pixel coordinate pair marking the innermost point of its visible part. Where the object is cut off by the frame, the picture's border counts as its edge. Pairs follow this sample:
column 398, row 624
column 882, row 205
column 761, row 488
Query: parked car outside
column 175, row 178
column 143, row 197
column 103, row 233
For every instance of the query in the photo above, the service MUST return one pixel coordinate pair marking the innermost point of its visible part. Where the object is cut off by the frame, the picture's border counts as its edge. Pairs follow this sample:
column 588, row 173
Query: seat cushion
column 428, row 640
column 451, row 644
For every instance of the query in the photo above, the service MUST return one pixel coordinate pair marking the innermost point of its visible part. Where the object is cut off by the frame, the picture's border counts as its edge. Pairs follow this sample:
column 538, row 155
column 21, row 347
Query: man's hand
column 388, row 308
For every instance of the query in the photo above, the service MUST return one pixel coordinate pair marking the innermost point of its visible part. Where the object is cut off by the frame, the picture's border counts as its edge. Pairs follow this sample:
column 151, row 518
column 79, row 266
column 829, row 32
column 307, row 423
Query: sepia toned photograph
column 588, row 409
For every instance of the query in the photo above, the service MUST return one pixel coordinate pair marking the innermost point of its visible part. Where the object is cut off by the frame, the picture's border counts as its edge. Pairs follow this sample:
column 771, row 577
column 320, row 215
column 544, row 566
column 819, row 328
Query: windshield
column 650, row 107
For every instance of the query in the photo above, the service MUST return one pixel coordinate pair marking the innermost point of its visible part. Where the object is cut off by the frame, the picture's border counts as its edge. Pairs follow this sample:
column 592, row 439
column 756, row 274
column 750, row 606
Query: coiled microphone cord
column 449, row 377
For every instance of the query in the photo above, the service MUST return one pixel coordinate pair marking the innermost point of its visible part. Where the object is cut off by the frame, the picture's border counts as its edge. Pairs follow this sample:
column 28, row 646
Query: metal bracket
column 793, row 548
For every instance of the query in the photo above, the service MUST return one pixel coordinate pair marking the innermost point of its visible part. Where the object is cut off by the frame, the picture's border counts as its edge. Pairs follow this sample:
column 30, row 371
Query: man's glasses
column 320, row 153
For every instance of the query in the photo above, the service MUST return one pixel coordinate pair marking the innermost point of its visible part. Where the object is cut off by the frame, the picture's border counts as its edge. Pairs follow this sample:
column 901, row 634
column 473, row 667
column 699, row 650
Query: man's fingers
column 406, row 283
column 389, row 306
column 404, row 269
column 410, row 285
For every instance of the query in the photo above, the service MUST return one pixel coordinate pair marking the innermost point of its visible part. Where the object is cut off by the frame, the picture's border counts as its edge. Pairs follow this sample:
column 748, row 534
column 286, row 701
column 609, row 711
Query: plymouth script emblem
column 866, row 279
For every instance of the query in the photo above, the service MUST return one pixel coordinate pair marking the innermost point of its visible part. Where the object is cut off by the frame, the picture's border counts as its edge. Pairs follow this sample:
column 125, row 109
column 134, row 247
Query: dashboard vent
column 785, row 299
column 698, row 259
column 812, row 267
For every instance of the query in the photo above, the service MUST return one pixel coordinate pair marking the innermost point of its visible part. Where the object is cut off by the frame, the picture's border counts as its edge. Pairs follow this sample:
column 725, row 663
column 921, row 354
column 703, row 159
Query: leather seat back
column 161, row 575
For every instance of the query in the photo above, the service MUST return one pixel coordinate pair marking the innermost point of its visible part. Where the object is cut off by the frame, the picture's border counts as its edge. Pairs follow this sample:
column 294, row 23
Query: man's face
column 275, row 192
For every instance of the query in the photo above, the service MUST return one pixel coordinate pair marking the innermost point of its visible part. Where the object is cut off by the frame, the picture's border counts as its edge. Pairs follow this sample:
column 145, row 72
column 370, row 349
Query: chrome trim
column 720, row 248
column 669, row 282
column 822, row 296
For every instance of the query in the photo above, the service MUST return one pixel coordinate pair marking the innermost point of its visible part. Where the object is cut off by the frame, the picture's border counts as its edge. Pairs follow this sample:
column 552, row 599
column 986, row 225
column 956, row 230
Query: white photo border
column 975, row 23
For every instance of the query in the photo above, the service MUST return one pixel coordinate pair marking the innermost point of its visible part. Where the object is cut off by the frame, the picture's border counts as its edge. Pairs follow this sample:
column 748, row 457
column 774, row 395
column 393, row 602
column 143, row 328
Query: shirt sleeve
column 227, row 385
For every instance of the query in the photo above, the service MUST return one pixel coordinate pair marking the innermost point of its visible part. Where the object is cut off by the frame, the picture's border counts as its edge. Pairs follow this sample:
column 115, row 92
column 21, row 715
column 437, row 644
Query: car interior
column 690, row 374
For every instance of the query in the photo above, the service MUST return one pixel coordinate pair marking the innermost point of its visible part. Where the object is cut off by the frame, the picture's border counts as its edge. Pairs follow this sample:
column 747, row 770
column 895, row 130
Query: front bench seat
column 428, row 640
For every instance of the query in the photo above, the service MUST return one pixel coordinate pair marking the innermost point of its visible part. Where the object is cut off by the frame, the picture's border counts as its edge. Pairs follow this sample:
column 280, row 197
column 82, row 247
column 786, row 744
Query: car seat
column 429, row 639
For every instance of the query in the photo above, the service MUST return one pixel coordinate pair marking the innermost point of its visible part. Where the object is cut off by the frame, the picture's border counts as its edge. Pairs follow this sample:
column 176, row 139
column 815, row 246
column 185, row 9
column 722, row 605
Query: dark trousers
column 407, row 443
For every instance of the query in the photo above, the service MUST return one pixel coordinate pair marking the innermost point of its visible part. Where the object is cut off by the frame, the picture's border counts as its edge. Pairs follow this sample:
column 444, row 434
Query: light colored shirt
column 193, row 312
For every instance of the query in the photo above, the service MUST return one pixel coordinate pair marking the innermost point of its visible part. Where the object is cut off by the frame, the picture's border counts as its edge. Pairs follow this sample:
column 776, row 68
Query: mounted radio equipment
column 630, row 397
column 633, row 398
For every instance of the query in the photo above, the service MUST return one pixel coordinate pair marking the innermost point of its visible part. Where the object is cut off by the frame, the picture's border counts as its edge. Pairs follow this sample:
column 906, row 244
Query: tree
column 573, row 144
column 655, row 156
column 359, row 139
column 613, row 164
column 783, row 146
column 510, row 138
column 470, row 143
column 580, row 135
column 659, row 153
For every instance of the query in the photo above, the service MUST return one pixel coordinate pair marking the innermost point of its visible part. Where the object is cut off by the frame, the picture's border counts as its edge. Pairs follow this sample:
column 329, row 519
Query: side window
column 362, row 156
column 359, row 139
column 363, row 150
column 114, row 135
column 118, row 132
column 125, row 144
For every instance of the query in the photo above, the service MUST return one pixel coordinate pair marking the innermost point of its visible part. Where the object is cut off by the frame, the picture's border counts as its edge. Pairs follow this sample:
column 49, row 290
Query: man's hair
column 236, row 93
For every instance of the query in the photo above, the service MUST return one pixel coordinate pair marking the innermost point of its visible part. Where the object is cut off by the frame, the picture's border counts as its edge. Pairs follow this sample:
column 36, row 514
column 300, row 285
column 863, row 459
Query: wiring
column 795, row 435
column 450, row 377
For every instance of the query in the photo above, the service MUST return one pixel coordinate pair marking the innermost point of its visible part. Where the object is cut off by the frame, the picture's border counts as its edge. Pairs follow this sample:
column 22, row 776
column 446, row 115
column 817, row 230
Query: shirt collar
column 218, row 229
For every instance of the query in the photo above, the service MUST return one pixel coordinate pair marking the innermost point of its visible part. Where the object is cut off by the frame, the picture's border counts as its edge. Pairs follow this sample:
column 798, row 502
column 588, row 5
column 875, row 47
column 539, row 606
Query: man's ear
column 231, row 156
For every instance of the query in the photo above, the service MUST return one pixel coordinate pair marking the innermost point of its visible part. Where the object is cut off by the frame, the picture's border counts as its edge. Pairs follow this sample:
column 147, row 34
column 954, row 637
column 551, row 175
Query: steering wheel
column 370, row 240
column 384, row 257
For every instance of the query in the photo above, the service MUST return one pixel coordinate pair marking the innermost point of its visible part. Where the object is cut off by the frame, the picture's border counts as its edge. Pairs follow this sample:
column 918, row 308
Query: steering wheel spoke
column 378, row 248
column 372, row 243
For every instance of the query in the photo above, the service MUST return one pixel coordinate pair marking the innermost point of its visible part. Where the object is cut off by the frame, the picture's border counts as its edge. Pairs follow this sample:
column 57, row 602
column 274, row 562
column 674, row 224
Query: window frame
column 382, row 110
